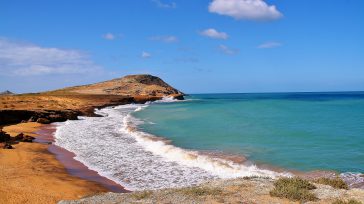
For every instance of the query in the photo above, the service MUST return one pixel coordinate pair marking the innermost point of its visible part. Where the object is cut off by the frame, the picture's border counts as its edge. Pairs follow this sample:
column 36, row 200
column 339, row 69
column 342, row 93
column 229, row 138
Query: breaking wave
column 114, row 147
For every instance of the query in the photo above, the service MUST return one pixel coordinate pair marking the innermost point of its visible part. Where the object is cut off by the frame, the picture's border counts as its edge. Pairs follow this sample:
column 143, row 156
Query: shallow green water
column 302, row 131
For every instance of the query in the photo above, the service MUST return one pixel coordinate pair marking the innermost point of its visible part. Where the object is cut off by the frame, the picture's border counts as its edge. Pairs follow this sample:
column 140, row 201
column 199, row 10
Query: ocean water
column 171, row 144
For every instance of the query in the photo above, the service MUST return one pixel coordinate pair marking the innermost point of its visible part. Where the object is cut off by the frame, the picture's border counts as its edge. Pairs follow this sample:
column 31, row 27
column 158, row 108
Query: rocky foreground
column 244, row 190
column 68, row 103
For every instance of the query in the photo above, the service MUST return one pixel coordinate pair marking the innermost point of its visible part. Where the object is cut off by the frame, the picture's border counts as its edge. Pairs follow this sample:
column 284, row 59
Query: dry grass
column 255, row 177
column 141, row 195
column 335, row 183
column 295, row 189
column 351, row 201
column 200, row 191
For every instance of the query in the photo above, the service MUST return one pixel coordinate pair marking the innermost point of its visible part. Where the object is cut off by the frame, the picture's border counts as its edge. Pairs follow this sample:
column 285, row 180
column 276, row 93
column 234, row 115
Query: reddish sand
column 31, row 174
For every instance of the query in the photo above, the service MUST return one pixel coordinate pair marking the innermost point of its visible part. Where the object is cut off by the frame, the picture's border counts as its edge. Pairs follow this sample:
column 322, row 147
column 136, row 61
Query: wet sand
column 73, row 166
column 31, row 174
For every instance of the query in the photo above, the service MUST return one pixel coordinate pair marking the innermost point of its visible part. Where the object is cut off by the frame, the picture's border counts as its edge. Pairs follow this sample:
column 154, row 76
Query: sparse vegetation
column 201, row 191
column 295, row 189
column 335, row 183
column 351, row 201
column 141, row 195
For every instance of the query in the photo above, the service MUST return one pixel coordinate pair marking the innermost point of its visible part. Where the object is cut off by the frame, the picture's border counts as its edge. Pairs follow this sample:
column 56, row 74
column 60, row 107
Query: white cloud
column 212, row 33
column 227, row 50
column 166, row 39
column 271, row 44
column 146, row 54
column 23, row 59
column 109, row 36
column 245, row 9
column 160, row 4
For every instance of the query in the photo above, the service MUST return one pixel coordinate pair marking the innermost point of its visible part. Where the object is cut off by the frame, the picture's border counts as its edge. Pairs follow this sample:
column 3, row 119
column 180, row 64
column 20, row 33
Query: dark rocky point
column 4, row 137
column 28, row 138
column 7, row 146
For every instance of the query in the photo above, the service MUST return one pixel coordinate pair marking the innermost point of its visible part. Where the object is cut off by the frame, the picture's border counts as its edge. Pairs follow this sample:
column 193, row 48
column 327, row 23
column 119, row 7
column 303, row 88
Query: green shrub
column 335, row 183
column 295, row 189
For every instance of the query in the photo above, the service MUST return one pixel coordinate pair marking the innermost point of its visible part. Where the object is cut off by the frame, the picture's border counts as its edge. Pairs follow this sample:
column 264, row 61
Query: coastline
column 44, row 136
column 32, row 174
column 233, row 162
column 74, row 167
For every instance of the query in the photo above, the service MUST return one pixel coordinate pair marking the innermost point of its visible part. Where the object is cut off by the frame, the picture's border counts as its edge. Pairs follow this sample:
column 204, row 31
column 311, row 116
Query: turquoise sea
column 297, row 131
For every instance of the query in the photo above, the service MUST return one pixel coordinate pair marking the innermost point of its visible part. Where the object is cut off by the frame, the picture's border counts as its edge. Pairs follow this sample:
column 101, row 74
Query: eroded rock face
column 4, row 137
column 44, row 116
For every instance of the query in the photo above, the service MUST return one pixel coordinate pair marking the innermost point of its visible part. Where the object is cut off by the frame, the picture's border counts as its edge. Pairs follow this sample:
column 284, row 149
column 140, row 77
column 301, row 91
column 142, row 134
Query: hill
column 68, row 103
column 131, row 85
column 6, row 93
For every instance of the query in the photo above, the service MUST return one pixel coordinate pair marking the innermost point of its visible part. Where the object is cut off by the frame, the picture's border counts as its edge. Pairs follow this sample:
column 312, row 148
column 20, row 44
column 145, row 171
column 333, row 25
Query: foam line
column 114, row 147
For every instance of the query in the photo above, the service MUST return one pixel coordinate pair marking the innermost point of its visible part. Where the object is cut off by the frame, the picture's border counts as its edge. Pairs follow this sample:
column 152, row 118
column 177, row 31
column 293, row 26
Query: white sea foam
column 353, row 179
column 113, row 146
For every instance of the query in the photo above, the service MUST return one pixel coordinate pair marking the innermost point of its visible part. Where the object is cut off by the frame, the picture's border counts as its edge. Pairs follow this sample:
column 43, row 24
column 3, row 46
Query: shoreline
column 242, row 160
column 74, row 167
column 353, row 181
column 29, row 173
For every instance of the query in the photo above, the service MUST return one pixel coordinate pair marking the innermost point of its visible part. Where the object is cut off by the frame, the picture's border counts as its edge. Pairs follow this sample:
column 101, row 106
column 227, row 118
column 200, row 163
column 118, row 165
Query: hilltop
column 68, row 103
column 131, row 85
column 7, row 92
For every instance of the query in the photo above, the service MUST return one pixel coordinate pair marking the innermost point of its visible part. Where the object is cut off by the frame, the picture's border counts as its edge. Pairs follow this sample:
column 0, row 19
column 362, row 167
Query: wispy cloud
column 145, row 55
column 213, row 33
column 24, row 59
column 227, row 50
column 166, row 39
column 270, row 44
column 245, row 9
column 109, row 36
column 187, row 60
column 161, row 4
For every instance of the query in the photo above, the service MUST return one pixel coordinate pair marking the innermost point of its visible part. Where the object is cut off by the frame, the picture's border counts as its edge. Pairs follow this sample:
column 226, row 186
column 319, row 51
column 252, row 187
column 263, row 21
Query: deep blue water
column 302, row 131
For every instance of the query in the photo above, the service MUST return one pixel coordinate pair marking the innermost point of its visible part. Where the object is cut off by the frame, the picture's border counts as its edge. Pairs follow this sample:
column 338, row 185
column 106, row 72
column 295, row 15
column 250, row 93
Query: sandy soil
column 30, row 174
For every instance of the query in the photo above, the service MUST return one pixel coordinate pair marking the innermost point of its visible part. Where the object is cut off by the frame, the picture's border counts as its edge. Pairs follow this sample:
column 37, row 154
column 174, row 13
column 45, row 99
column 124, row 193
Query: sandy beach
column 31, row 174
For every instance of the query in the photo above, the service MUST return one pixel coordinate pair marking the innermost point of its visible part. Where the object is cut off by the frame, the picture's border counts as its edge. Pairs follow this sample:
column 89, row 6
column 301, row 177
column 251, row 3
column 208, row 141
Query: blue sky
column 198, row 46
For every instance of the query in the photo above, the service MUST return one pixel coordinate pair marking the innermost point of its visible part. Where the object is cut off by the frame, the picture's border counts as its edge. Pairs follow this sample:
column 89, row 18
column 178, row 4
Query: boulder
column 28, row 138
column 19, row 137
column 7, row 146
column 43, row 121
